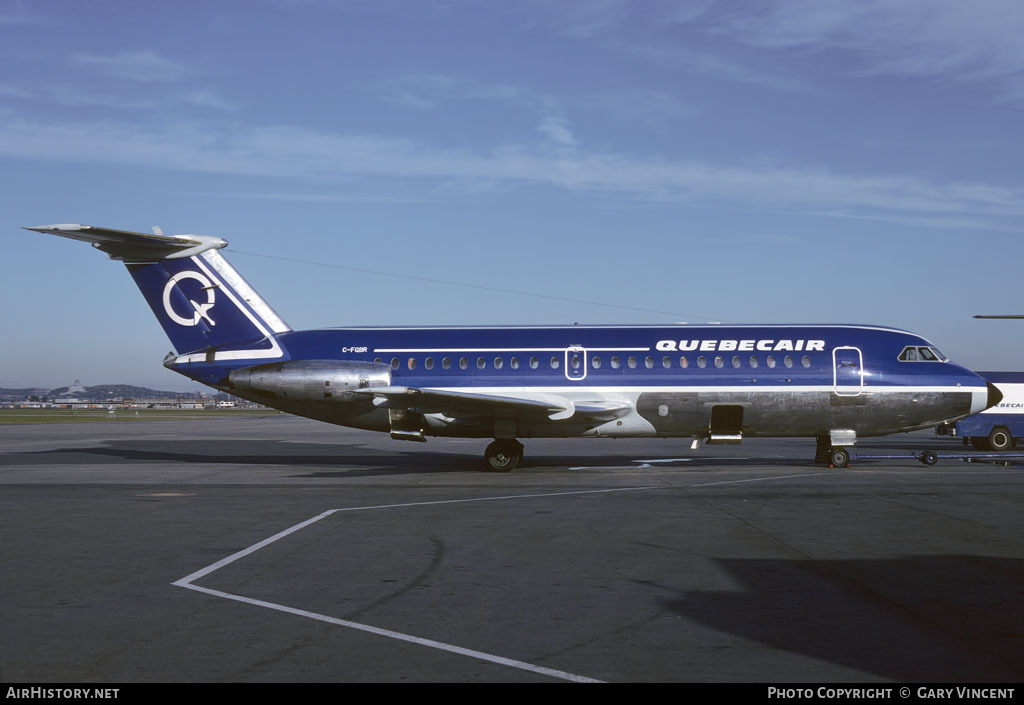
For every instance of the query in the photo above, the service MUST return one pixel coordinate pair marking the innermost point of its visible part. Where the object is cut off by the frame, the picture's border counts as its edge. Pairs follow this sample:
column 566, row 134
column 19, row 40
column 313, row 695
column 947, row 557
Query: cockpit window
column 920, row 353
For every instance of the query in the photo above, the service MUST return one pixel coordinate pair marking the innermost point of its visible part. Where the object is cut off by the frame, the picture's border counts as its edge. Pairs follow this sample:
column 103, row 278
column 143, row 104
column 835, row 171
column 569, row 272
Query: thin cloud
column 315, row 197
column 293, row 151
column 711, row 63
column 420, row 91
column 643, row 105
column 557, row 130
column 660, row 32
column 144, row 66
column 937, row 39
column 76, row 96
column 427, row 91
column 18, row 16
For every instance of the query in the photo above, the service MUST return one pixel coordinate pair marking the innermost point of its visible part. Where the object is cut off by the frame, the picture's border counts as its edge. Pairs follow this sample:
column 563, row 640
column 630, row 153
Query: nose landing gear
column 827, row 454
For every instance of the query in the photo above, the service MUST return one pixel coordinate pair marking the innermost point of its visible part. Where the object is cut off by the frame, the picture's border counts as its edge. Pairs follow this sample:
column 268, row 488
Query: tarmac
column 278, row 549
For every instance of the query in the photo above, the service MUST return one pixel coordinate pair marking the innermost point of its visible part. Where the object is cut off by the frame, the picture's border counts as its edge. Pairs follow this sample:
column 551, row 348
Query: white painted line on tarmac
column 291, row 530
column 500, row 660
column 665, row 460
column 188, row 580
column 759, row 479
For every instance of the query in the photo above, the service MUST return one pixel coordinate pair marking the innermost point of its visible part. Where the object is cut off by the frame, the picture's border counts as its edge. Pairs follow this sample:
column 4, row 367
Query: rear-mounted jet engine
column 310, row 380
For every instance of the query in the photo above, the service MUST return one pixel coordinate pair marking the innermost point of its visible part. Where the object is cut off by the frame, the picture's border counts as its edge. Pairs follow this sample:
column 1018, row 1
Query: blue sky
column 803, row 161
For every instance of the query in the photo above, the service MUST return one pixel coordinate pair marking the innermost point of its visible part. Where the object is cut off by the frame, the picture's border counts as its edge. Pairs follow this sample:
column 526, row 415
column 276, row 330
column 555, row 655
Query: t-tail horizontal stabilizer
column 129, row 246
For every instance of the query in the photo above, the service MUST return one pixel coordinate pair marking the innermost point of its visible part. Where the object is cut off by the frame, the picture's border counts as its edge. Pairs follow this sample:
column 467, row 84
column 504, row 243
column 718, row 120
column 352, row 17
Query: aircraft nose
column 994, row 395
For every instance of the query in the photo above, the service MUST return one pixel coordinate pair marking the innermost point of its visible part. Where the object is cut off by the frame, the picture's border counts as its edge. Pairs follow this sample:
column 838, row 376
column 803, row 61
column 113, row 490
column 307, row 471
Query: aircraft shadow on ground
column 326, row 460
column 341, row 459
column 914, row 619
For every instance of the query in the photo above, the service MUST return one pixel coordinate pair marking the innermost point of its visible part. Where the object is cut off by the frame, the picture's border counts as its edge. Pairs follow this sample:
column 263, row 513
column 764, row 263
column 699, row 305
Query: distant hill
column 22, row 394
column 99, row 392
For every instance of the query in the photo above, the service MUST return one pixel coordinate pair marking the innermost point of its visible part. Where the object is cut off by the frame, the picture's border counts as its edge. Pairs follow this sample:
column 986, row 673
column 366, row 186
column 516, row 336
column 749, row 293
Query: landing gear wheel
column 504, row 455
column 1000, row 439
column 929, row 457
column 839, row 457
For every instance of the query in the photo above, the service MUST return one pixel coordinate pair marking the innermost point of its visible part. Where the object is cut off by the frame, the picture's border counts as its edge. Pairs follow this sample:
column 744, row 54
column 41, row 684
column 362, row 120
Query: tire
column 1000, row 438
column 929, row 457
column 503, row 455
column 839, row 457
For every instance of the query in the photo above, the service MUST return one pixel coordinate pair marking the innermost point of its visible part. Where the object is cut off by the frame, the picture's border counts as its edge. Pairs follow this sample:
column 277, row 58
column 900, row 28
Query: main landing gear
column 504, row 455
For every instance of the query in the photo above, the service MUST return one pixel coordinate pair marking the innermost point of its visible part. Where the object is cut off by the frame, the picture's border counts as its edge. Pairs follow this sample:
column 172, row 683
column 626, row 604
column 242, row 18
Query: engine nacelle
column 310, row 380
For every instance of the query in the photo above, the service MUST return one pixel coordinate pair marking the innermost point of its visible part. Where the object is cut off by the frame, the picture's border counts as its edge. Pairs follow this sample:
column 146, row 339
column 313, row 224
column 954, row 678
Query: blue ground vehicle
column 1000, row 427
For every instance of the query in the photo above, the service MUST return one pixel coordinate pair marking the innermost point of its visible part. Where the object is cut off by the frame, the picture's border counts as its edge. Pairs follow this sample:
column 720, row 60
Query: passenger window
column 736, row 361
column 463, row 363
column 771, row 361
column 554, row 363
column 534, row 363
column 719, row 361
column 666, row 362
column 789, row 361
column 446, row 363
column 429, row 363
column 805, row 361
column 683, row 362
column 596, row 362
column 412, row 363
column 377, row 359
column 615, row 362
column 702, row 362
column 649, row 362
column 481, row 363
column 499, row 363
column 631, row 362
column 395, row 363
column 754, row 362
column 514, row 363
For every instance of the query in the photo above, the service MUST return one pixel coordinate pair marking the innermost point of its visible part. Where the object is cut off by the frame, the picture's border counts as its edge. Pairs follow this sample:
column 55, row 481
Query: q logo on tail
column 201, row 311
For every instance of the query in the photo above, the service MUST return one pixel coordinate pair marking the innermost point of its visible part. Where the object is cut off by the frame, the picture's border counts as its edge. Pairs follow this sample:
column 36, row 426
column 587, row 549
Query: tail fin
column 204, row 305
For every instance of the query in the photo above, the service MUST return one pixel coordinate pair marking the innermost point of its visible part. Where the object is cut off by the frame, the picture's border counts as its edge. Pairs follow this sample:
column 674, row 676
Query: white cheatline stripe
column 500, row 350
column 187, row 582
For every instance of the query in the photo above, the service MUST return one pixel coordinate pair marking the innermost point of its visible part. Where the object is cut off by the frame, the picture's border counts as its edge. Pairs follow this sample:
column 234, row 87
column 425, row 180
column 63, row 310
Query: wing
column 456, row 404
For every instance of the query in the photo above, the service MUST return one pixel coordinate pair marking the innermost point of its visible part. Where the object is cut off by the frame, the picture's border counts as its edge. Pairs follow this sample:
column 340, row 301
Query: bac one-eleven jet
column 835, row 383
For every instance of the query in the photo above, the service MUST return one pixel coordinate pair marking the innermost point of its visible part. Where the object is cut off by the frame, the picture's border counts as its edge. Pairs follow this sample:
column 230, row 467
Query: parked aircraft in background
column 720, row 383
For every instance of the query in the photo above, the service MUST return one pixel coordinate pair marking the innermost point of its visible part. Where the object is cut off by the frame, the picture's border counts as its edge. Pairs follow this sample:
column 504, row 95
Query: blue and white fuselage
column 716, row 382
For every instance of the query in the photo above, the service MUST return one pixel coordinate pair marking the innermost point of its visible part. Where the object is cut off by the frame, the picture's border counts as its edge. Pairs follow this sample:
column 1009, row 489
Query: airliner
column 717, row 383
